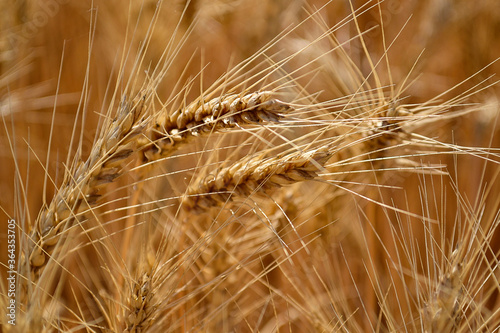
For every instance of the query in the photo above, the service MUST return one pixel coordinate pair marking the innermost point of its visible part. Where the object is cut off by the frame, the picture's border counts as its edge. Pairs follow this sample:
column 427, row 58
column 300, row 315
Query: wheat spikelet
column 200, row 118
column 255, row 175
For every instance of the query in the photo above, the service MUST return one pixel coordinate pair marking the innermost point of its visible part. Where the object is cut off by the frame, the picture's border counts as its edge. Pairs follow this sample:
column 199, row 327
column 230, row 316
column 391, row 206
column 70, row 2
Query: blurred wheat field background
column 250, row 166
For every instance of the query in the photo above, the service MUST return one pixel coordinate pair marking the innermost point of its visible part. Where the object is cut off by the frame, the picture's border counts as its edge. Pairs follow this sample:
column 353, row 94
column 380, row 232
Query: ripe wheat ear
column 254, row 175
column 202, row 118
column 80, row 191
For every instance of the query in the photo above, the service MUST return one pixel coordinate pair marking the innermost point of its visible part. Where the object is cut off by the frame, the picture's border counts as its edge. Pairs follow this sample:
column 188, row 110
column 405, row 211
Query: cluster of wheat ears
column 250, row 166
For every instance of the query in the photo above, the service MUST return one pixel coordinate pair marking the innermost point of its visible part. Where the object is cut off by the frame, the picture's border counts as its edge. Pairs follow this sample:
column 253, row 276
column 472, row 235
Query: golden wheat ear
column 202, row 118
column 254, row 175
column 141, row 308
column 444, row 310
column 81, row 189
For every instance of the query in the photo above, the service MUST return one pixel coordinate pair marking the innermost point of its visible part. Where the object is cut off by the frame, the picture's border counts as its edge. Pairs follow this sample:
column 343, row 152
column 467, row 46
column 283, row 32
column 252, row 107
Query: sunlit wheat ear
column 136, row 298
column 443, row 311
column 81, row 188
column 201, row 118
column 139, row 315
column 460, row 298
column 255, row 174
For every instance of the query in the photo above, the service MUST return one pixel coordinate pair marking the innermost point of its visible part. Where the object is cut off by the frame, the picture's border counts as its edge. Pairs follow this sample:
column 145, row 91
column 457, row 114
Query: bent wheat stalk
column 200, row 118
column 254, row 175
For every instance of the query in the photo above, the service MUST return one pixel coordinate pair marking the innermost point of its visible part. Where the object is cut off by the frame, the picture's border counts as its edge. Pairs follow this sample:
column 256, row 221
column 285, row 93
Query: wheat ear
column 199, row 118
column 140, row 306
column 255, row 175
column 443, row 312
column 82, row 186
